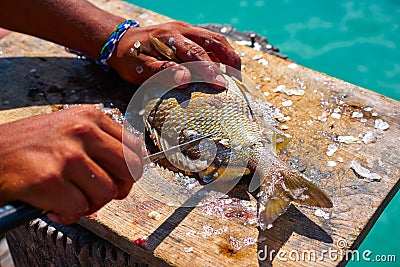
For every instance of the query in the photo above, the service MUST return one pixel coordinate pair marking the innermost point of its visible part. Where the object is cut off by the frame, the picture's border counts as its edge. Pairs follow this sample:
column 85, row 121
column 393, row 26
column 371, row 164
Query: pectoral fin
column 212, row 173
column 280, row 140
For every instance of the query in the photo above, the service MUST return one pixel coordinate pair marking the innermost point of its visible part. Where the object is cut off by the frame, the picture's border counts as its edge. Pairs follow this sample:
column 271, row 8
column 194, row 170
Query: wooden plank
column 221, row 233
column 357, row 203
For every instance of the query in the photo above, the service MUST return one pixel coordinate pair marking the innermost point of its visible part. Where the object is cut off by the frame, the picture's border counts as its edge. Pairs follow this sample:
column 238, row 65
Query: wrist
column 113, row 40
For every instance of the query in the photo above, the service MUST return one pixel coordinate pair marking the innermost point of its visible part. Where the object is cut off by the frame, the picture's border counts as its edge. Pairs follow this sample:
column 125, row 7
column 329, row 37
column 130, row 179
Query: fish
column 239, row 144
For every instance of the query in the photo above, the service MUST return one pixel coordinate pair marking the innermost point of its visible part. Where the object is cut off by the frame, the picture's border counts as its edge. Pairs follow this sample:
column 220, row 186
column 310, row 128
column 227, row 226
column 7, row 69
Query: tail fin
column 283, row 187
column 305, row 192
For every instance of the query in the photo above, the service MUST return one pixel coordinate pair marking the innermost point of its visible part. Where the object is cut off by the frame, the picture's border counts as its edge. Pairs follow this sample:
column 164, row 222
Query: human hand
column 69, row 163
column 189, row 43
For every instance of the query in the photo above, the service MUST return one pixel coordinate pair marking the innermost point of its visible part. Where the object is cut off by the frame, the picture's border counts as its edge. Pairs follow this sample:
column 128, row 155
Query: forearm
column 76, row 24
column 80, row 25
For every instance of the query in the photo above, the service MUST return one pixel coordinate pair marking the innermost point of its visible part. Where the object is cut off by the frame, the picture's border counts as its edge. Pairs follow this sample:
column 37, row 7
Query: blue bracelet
column 113, row 40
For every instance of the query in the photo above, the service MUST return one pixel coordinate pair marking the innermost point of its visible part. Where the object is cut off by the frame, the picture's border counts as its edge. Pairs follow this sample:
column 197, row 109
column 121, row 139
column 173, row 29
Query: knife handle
column 16, row 214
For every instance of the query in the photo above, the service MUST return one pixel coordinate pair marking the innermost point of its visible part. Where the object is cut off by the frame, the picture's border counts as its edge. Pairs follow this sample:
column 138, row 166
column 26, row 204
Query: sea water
column 356, row 41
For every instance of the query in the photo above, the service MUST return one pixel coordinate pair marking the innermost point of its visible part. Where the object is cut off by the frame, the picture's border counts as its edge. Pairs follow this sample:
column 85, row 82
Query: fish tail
column 280, row 188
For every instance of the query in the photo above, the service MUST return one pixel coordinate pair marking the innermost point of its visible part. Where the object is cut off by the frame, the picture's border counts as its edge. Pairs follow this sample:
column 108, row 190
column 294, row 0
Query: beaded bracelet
column 113, row 40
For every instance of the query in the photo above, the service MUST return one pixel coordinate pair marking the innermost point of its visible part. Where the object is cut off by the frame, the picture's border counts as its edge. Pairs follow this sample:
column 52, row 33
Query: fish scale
column 184, row 114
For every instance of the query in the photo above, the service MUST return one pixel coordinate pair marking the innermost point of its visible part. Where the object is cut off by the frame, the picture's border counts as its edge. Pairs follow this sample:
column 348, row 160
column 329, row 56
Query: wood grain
column 222, row 233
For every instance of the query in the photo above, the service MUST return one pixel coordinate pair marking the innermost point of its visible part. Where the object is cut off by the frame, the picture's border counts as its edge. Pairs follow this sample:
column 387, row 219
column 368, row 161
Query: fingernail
column 113, row 193
column 220, row 80
column 55, row 218
column 181, row 77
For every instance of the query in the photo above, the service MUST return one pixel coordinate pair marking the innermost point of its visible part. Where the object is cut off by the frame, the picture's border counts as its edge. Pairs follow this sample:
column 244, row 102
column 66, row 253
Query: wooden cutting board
column 324, row 113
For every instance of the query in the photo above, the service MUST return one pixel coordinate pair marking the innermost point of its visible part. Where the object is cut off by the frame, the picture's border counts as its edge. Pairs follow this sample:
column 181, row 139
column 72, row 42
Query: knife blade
column 181, row 147
column 18, row 213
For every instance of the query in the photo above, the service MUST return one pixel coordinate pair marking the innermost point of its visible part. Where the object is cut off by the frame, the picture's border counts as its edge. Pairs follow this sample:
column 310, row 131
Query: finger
column 133, row 141
column 219, row 47
column 61, row 198
column 115, row 130
column 107, row 152
column 147, row 66
column 99, row 119
column 135, row 167
column 101, row 138
column 109, row 126
column 97, row 185
column 90, row 117
column 187, row 51
column 173, row 73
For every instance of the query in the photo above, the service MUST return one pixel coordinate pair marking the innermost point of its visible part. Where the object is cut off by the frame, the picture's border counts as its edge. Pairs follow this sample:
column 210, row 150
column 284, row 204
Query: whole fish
column 238, row 146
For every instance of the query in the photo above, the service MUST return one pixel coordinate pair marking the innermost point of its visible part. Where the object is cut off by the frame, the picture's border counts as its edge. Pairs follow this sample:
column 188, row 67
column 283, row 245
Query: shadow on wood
column 292, row 221
column 164, row 230
column 32, row 81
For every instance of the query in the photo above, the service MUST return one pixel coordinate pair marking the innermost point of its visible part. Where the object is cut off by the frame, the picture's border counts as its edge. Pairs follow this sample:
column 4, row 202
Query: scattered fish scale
column 364, row 172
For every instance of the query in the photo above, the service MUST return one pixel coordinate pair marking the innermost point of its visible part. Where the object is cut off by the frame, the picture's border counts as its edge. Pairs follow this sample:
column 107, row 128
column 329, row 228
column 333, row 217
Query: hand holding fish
column 136, row 53
column 143, row 52
column 69, row 163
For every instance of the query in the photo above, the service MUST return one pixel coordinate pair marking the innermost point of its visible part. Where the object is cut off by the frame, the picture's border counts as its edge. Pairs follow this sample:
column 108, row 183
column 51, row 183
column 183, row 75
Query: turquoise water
column 356, row 41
